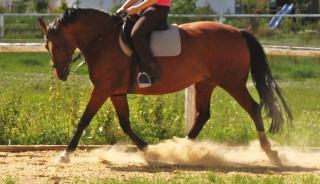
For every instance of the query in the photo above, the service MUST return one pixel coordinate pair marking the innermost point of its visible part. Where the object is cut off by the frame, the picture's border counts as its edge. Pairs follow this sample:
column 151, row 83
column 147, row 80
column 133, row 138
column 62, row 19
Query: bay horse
column 212, row 55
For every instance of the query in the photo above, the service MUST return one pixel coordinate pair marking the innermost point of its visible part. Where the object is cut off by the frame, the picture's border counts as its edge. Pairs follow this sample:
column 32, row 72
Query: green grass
column 30, row 63
column 23, row 28
column 36, row 108
column 8, row 180
column 295, row 68
column 217, row 178
column 207, row 178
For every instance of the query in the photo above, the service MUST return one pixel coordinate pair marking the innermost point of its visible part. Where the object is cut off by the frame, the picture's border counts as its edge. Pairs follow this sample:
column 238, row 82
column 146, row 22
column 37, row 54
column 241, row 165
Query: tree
column 205, row 10
column 115, row 8
column 63, row 6
column 315, row 6
column 41, row 6
column 183, row 6
column 20, row 6
column 188, row 7
column 3, row 9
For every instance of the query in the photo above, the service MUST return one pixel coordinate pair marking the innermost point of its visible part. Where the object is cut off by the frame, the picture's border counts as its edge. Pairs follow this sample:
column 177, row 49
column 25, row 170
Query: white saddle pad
column 163, row 43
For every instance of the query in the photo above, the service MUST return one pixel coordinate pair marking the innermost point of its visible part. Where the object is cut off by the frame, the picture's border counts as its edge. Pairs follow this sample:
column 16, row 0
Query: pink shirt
column 164, row 2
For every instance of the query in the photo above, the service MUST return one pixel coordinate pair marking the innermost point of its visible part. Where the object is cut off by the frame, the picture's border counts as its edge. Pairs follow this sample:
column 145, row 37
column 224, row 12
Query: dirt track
column 176, row 156
column 40, row 167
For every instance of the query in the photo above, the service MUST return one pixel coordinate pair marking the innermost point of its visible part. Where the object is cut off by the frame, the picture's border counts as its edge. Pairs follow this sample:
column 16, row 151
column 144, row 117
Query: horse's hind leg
column 244, row 98
column 203, row 91
column 120, row 104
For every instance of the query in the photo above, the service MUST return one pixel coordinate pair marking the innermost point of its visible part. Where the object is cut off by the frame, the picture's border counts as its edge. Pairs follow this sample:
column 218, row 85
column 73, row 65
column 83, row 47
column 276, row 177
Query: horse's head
column 59, row 46
column 76, row 28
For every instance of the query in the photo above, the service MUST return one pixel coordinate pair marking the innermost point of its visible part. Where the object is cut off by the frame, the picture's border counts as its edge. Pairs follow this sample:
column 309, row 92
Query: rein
column 78, row 57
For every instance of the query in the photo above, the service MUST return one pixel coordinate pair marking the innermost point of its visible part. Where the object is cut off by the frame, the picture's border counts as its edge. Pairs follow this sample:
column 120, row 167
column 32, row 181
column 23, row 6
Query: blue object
column 275, row 21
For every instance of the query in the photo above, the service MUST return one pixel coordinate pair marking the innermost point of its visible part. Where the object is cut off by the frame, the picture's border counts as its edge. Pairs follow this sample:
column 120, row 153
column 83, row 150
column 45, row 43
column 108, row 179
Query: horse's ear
column 43, row 25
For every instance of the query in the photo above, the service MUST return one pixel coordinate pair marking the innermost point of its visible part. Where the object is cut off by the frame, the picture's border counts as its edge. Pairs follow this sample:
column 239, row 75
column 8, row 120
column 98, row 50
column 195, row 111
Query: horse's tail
column 268, row 89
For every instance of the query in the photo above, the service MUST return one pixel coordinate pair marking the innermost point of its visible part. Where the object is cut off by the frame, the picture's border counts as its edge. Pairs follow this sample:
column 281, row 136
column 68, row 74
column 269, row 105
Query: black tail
column 268, row 89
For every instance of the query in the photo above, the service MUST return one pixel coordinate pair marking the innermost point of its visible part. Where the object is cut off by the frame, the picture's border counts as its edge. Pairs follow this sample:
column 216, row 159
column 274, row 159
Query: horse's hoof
column 143, row 146
column 63, row 158
column 274, row 158
column 178, row 139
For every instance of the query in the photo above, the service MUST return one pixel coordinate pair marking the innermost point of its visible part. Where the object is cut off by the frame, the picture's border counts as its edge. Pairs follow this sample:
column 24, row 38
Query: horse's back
column 213, row 32
column 221, row 49
column 207, row 25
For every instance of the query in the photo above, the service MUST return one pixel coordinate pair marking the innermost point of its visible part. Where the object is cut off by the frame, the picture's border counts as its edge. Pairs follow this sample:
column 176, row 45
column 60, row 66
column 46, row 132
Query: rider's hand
column 133, row 10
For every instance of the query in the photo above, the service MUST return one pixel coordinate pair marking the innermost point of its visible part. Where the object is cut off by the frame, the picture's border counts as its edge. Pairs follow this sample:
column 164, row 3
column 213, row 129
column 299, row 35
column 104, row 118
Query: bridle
column 122, row 15
column 64, row 44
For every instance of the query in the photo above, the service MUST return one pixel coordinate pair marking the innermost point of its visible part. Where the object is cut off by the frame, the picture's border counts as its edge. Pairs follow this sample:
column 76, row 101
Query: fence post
column 189, row 108
column 221, row 18
column 1, row 25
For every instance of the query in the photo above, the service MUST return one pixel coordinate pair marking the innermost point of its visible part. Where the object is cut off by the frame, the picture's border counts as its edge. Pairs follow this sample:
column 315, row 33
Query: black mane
column 70, row 15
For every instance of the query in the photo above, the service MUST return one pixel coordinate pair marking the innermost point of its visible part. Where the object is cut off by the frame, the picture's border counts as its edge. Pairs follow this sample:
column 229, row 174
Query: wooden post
column 1, row 25
column 189, row 108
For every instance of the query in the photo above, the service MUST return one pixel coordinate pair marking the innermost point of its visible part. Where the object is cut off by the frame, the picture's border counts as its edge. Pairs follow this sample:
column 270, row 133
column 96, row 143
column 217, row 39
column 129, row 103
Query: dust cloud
column 184, row 152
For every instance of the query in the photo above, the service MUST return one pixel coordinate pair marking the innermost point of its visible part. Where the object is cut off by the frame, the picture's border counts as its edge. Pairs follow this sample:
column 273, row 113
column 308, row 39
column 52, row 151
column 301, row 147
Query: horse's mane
column 71, row 15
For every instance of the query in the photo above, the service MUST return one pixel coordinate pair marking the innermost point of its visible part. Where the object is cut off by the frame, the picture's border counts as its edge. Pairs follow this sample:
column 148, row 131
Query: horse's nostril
column 63, row 77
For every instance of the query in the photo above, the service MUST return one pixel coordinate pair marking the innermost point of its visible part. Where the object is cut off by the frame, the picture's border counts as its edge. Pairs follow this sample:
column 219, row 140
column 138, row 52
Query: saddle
column 164, row 41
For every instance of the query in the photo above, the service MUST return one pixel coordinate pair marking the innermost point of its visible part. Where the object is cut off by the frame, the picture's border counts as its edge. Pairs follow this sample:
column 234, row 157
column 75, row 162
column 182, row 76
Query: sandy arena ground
column 163, row 160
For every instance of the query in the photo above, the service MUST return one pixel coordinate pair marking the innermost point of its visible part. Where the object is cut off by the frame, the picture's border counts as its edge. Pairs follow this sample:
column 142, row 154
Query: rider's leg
column 149, row 21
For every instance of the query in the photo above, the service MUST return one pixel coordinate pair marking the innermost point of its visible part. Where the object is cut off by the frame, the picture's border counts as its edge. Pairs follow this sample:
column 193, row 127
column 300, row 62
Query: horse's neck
column 85, row 37
column 88, row 34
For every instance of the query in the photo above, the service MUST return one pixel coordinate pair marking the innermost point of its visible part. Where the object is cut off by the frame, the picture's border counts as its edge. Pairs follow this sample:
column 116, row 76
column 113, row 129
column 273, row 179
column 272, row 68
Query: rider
column 153, row 13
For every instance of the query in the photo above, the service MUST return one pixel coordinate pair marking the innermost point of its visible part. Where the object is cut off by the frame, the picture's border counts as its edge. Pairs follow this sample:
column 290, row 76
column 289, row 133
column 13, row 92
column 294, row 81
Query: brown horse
column 212, row 55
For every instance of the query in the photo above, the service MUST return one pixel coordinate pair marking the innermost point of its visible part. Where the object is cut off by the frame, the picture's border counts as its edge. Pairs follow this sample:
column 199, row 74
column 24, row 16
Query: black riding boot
column 150, row 20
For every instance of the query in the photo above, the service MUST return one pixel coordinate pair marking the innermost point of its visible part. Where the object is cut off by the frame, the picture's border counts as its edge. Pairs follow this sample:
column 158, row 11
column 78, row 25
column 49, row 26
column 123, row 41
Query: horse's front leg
column 120, row 104
column 97, row 99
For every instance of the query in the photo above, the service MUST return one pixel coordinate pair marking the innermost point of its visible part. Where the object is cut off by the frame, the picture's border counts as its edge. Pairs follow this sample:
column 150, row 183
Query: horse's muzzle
column 63, row 77
column 62, row 74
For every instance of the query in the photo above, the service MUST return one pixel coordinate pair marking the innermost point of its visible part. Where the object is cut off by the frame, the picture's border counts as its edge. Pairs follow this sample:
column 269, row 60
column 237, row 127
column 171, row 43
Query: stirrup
column 143, row 80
